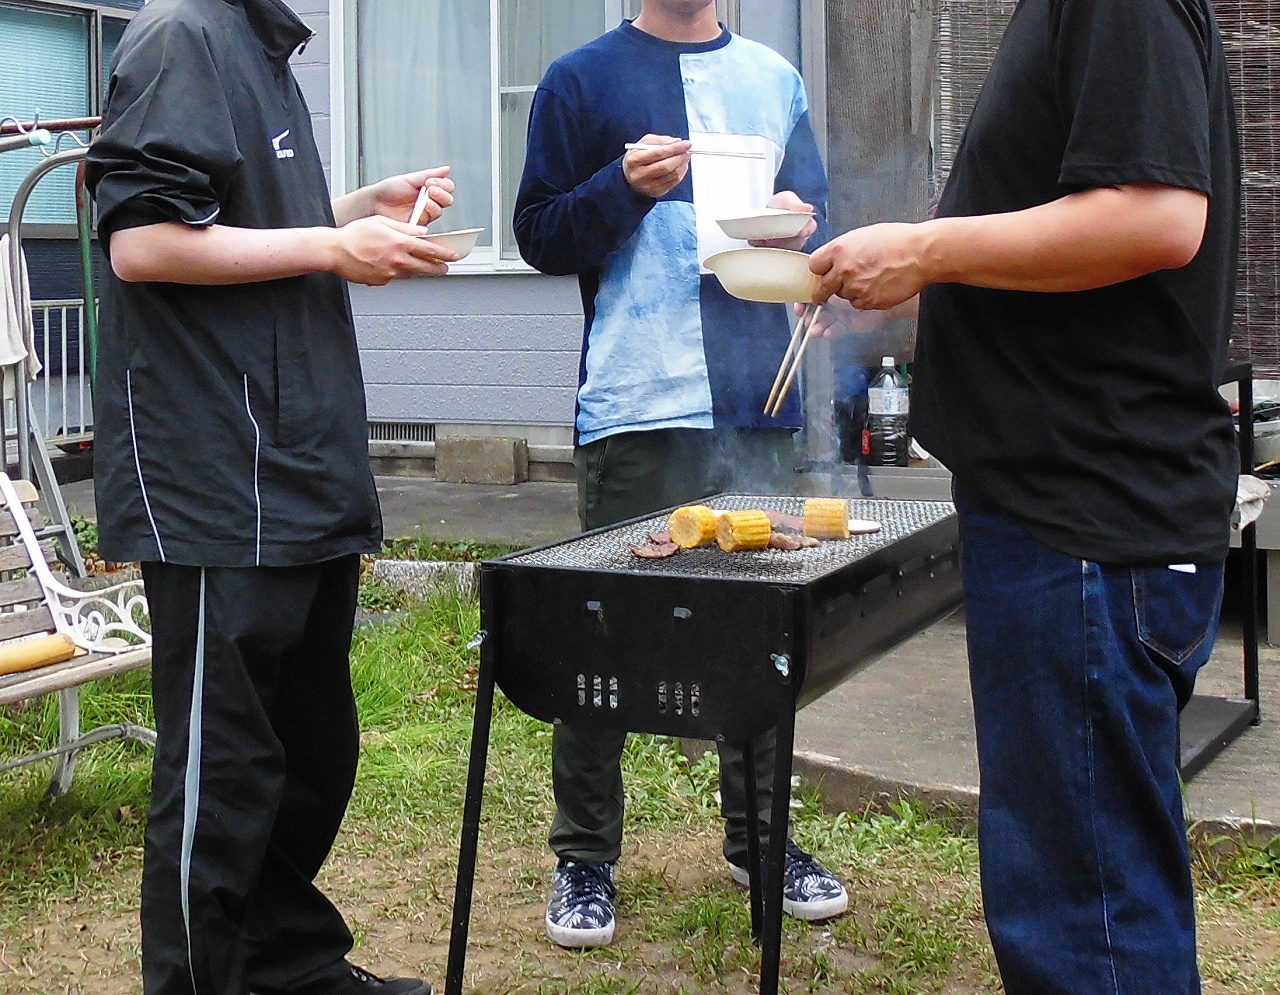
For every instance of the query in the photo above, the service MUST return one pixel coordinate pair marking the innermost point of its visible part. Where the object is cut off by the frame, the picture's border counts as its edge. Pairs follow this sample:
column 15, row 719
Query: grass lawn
column 69, row 871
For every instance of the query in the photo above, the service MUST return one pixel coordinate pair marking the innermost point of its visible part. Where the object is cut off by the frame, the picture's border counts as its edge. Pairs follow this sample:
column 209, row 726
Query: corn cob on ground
column 692, row 526
column 826, row 518
column 739, row 530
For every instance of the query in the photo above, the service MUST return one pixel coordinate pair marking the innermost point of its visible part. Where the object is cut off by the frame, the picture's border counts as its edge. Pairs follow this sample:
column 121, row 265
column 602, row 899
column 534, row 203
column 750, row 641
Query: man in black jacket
column 231, row 460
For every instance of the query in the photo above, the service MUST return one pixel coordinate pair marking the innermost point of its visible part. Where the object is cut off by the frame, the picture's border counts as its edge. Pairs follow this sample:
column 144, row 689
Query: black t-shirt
column 1094, row 418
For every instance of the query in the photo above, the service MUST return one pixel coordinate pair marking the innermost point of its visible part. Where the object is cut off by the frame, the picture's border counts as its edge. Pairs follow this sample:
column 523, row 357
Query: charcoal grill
column 705, row 645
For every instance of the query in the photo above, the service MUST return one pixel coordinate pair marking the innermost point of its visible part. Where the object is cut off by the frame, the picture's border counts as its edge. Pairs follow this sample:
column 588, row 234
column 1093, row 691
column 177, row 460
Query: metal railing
column 61, row 394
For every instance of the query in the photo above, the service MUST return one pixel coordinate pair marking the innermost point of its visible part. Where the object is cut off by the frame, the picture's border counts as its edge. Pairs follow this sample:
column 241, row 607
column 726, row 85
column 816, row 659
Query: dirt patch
column 682, row 929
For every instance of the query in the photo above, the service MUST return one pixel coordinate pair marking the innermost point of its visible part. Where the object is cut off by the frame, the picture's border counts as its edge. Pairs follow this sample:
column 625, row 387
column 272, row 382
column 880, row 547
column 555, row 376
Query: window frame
column 94, row 14
column 344, row 151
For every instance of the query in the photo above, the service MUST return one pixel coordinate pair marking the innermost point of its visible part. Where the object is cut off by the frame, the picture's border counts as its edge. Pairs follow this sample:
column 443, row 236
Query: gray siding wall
column 467, row 350
column 493, row 353
column 774, row 22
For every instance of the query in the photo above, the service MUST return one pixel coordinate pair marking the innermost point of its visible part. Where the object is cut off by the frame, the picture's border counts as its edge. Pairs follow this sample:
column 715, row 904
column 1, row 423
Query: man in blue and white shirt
column 674, row 371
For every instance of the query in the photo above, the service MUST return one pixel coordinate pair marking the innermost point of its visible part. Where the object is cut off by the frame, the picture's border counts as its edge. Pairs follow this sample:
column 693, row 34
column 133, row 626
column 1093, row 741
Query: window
column 452, row 81
column 53, row 64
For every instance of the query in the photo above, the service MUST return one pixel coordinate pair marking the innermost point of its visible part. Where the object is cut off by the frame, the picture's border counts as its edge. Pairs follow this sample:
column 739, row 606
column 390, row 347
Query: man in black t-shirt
column 1078, row 287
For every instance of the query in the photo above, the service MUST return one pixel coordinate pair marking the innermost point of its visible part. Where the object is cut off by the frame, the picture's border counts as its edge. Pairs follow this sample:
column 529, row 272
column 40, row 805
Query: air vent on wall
column 401, row 431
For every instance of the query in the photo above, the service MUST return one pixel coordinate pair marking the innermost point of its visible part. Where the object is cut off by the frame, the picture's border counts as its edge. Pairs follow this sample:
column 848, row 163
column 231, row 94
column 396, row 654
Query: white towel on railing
column 17, row 330
column 1251, row 496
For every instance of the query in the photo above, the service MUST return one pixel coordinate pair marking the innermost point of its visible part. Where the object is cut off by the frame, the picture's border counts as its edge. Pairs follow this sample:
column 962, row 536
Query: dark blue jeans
column 1078, row 672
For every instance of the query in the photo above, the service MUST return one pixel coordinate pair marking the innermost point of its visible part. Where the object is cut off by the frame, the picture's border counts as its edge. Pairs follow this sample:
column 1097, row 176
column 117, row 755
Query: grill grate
column 611, row 550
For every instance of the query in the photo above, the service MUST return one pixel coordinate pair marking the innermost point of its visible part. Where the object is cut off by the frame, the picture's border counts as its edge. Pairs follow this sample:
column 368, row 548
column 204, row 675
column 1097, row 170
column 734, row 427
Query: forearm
column 176, row 253
column 352, row 207
column 1083, row 241
column 570, row 232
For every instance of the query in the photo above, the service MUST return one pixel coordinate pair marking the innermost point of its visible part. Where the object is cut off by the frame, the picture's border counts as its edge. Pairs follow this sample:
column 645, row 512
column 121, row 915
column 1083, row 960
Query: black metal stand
column 1209, row 724
column 471, row 823
column 775, row 861
column 766, row 895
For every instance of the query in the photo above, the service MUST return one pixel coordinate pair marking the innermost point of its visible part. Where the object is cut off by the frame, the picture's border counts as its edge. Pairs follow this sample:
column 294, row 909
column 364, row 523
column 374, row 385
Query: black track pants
column 254, row 766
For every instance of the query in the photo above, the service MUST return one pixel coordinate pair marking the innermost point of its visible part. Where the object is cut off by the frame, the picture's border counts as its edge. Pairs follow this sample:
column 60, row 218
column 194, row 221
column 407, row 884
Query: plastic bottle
column 885, row 442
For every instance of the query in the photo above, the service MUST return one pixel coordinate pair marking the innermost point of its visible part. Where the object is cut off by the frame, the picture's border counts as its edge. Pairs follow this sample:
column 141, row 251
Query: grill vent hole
column 662, row 697
column 679, row 698
column 613, row 693
column 695, row 699
column 582, row 689
column 597, row 698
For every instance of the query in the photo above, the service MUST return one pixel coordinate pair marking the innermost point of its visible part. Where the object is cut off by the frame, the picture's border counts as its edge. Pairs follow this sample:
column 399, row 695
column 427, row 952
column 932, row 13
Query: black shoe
column 361, row 982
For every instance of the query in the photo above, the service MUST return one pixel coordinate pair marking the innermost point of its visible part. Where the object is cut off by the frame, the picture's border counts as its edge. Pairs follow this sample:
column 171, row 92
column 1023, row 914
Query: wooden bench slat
column 14, row 625
column 17, row 592
column 70, row 674
column 14, row 557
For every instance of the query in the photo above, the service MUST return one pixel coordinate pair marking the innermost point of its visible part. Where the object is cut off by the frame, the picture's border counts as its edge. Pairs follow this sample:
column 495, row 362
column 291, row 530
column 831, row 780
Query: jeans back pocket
column 1176, row 611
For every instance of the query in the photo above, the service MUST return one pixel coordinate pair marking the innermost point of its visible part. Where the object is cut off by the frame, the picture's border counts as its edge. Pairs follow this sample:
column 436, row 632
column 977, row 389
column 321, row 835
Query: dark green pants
column 625, row 476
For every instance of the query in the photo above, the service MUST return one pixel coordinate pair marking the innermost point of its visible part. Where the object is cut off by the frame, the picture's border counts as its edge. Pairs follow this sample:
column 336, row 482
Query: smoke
column 879, row 97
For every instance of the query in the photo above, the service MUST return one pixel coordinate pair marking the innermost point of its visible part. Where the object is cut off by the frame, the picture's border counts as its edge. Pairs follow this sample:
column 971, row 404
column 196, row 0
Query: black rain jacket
column 230, row 421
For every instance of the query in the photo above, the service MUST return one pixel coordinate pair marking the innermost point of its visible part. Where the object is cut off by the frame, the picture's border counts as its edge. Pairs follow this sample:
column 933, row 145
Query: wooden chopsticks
column 795, row 356
column 633, row 147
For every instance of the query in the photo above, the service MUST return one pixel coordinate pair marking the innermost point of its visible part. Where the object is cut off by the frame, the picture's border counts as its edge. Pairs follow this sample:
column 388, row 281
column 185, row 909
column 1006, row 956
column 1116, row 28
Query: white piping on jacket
column 204, row 221
column 257, row 452
column 137, row 462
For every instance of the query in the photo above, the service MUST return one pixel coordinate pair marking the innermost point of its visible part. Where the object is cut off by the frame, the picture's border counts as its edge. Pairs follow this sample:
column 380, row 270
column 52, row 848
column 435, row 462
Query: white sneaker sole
column 807, row 911
column 580, row 939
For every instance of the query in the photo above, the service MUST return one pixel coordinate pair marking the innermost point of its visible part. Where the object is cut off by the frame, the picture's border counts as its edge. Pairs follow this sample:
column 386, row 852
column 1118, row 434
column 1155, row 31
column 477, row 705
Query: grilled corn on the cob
column 739, row 530
column 692, row 526
column 826, row 518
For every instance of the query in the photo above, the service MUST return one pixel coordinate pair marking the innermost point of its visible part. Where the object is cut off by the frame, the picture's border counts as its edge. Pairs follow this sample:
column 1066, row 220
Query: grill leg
column 754, row 866
column 779, row 830
column 471, row 825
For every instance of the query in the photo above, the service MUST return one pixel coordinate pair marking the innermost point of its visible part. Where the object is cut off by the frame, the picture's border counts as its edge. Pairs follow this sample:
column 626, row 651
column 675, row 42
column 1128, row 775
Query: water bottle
column 885, row 442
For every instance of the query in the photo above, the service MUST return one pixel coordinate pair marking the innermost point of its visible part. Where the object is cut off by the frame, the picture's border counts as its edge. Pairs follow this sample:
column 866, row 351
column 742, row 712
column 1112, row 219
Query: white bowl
column 461, row 241
column 771, row 276
column 766, row 223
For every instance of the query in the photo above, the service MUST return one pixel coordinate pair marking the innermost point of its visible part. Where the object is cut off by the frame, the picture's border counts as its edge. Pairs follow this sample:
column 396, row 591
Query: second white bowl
column 766, row 223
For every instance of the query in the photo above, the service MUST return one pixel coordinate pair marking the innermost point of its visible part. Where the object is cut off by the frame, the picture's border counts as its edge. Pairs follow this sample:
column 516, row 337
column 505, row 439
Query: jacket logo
column 275, row 144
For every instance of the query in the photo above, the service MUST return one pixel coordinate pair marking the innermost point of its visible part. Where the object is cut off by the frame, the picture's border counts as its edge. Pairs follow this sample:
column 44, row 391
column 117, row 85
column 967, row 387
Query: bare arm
column 371, row 244
column 395, row 197
column 372, row 251
column 1083, row 241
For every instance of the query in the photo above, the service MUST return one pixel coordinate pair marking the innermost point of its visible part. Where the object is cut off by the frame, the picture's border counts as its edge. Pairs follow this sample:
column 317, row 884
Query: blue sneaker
column 580, row 912
column 809, row 890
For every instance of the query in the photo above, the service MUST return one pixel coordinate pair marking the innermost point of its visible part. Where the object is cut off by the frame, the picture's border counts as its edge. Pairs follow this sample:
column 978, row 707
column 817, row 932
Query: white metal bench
column 107, row 626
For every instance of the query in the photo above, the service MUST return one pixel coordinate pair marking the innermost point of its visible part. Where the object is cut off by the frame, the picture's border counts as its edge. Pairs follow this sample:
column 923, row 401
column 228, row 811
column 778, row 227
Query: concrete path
column 903, row 724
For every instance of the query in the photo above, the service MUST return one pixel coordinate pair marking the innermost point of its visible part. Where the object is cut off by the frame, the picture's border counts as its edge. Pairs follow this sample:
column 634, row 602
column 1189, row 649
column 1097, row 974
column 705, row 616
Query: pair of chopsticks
column 735, row 155
column 794, row 356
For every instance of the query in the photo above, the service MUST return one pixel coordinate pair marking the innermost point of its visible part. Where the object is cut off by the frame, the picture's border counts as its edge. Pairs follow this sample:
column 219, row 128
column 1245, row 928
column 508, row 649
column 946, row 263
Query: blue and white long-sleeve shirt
column 665, row 346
